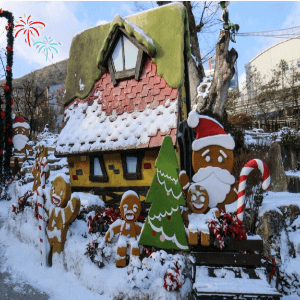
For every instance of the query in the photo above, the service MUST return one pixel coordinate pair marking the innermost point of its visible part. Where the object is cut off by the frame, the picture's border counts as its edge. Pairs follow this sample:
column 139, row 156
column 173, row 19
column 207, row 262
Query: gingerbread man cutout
column 61, row 213
column 130, row 208
column 212, row 161
column 198, row 212
column 20, row 138
column 40, row 169
column 213, row 186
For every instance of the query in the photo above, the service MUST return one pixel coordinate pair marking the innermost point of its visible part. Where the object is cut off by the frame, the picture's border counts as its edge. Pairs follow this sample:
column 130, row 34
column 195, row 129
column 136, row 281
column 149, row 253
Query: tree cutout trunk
column 214, row 102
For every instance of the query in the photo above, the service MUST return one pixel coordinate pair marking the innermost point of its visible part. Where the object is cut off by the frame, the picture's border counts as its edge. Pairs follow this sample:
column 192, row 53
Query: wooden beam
column 233, row 245
column 228, row 259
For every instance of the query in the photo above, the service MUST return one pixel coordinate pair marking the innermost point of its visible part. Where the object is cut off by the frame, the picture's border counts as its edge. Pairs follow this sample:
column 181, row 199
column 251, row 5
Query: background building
column 273, row 105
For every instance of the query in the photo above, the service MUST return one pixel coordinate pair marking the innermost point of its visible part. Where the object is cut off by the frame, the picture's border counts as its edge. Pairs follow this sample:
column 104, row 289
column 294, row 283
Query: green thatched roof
column 160, row 30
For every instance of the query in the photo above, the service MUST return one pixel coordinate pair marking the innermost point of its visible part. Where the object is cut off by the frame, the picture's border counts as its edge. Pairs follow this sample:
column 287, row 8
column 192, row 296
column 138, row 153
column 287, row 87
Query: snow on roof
column 134, row 114
column 140, row 31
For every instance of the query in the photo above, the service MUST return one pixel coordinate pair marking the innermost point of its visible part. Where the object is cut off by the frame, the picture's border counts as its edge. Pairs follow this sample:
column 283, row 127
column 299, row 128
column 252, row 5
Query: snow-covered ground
column 292, row 173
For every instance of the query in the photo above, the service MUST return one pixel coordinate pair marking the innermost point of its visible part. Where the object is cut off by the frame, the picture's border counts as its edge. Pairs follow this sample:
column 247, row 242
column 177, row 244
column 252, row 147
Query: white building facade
column 269, row 59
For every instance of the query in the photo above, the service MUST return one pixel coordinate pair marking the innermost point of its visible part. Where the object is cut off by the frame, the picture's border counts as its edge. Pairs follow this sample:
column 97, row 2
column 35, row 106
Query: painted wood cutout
column 40, row 169
column 213, row 185
column 129, row 229
column 164, row 226
column 62, row 212
column 20, row 138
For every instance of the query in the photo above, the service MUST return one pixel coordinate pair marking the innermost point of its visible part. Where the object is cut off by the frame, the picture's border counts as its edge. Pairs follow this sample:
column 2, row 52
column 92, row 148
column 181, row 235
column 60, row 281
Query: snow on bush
column 99, row 251
column 158, row 270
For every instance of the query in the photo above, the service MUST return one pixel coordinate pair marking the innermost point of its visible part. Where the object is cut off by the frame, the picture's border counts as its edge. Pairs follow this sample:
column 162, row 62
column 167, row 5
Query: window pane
column 97, row 167
column 131, row 162
column 117, row 56
column 131, row 53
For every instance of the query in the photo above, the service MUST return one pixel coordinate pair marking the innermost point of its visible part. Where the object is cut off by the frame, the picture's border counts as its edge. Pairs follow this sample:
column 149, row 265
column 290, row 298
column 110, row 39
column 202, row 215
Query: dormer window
column 124, row 56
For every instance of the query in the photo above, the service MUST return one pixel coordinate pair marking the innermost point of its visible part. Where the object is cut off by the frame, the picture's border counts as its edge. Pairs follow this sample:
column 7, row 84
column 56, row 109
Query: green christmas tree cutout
column 164, row 226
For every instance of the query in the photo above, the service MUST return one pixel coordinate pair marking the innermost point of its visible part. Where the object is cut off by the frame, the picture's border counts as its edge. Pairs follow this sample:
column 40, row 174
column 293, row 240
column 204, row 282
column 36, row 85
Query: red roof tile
column 149, row 99
column 122, row 84
column 174, row 94
column 159, row 97
column 145, row 91
column 154, row 92
column 116, row 91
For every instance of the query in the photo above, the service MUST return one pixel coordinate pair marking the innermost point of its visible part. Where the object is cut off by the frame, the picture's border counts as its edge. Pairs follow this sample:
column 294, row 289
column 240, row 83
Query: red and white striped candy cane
column 42, row 230
column 249, row 166
column 44, row 168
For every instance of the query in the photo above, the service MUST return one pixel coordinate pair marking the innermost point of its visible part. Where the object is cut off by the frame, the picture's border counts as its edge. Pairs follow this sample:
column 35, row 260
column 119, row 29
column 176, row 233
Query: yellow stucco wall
column 114, row 180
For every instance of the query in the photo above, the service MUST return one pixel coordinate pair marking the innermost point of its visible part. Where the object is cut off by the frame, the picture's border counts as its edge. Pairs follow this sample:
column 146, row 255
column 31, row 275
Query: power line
column 293, row 32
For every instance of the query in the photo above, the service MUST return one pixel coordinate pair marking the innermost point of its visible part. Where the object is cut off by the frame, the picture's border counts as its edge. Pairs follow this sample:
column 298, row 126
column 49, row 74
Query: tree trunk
column 195, row 49
column 214, row 103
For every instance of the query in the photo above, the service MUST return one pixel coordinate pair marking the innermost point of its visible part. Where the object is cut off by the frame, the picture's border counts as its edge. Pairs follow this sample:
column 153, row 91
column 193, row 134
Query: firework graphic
column 28, row 28
column 47, row 46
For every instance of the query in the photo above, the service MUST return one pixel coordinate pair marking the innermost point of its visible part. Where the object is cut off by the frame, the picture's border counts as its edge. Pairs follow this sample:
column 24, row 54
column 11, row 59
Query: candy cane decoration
column 41, row 196
column 42, row 230
column 44, row 168
column 249, row 166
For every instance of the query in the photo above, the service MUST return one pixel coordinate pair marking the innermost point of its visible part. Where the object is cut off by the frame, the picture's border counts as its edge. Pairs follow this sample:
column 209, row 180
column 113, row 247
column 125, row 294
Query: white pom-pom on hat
column 193, row 119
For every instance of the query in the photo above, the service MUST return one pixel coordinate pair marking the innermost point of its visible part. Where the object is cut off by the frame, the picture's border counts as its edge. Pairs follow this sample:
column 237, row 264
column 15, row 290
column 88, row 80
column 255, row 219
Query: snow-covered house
column 126, row 88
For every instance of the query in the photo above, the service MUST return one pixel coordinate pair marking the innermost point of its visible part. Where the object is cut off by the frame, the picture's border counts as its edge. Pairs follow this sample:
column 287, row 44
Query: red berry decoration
column 8, row 68
column 153, row 233
column 6, row 87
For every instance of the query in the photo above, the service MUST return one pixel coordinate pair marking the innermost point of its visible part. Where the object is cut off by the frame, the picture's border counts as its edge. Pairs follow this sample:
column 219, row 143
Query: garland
column 174, row 279
column 99, row 251
column 25, row 200
column 227, row 226
column 101, row 221
column 271, row 267
column 6, row 132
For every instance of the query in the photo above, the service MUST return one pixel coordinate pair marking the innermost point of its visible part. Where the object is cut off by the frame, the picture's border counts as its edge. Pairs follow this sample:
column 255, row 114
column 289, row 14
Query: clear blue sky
column 64, row 19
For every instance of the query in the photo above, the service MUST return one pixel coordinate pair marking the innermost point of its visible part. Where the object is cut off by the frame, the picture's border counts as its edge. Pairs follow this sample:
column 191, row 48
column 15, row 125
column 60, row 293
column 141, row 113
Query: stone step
column 293, row 184
column 53, row 160
column 55, row 167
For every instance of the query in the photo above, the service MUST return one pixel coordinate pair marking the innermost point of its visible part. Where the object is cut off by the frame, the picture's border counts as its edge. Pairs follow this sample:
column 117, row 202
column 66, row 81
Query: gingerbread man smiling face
column 130, row 208
column 60, row 192
column 197, row 199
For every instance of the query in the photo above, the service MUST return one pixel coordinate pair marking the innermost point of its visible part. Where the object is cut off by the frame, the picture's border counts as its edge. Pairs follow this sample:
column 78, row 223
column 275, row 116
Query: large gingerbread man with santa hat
column 212, row 161
column 20, row 139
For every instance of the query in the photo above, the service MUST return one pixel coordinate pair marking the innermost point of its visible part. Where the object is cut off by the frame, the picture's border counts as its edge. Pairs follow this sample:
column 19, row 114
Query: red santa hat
column 20, row 122
column 209, row 132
